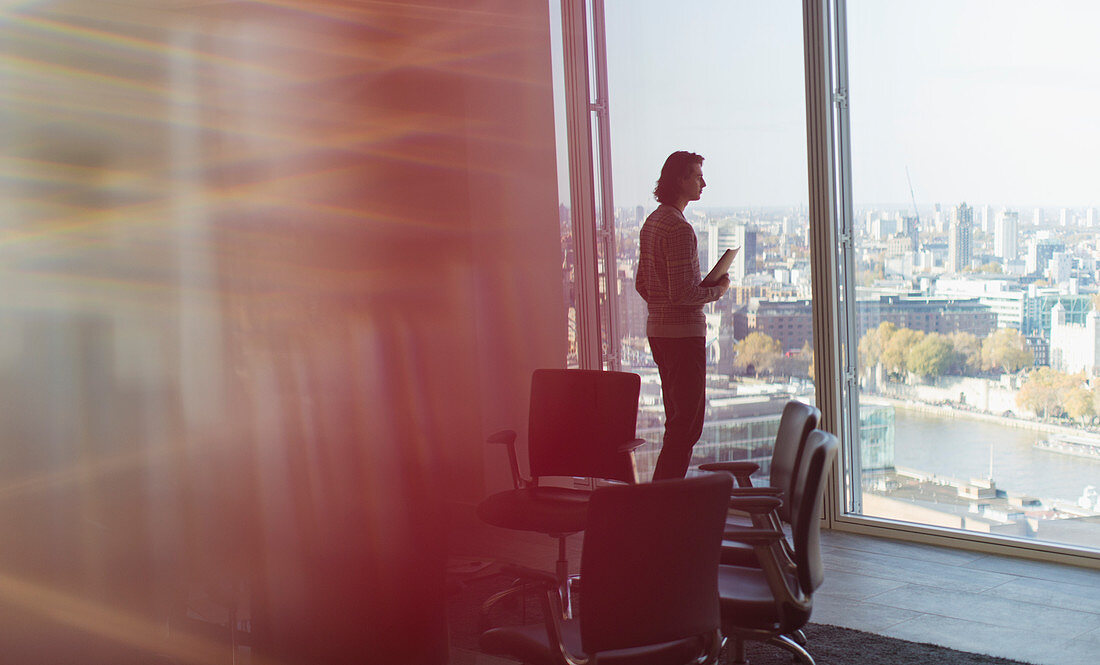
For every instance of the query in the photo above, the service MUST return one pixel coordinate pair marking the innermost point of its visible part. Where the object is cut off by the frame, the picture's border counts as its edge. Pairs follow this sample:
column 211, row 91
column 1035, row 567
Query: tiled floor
column 1036, row 612
column 1027, row 610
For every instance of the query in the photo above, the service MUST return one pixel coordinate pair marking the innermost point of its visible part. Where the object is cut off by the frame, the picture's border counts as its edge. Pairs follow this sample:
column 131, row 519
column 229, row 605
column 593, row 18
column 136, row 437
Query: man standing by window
column 668, row 280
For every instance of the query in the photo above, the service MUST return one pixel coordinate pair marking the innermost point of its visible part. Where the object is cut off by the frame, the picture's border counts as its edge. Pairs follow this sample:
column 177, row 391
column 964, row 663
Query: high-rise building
column 909, row 228
column 1090, row 217
column 959, row 238
column 1037, row 217
column 745, row 263
column 1006, row 235
column 1064, row 217
column 712, row 246
column 1039, row 253
column 986, row 222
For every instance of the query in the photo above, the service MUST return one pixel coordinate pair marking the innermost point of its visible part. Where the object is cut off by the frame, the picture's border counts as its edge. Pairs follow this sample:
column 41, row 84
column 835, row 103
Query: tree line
column 1047, row 392
column 902, row 351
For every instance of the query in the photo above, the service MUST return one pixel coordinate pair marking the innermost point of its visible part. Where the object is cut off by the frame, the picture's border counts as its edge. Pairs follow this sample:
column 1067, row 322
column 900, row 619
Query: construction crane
column 912, row 196
column 913, row 233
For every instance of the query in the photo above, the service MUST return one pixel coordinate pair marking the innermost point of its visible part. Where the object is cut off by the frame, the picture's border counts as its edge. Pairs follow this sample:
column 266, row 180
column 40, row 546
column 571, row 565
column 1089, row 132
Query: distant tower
column 959, row 238
column 712, row 245
column 1063, row 217
column 909, row 228
column 745, row 263
column 1006, row 235
column 985, row 221
column 1037, row 218
column 1090, row 218
column 639, row 214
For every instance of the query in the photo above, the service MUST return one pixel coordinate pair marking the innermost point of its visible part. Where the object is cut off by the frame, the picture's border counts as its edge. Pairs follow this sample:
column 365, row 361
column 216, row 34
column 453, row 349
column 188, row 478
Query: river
column 960, row 448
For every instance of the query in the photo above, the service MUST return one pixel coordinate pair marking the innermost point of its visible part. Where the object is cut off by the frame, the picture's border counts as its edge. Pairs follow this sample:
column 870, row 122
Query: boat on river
column 1072, row 444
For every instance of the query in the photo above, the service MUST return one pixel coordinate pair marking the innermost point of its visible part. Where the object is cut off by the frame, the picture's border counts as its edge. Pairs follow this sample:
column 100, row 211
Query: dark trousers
column 682, row 362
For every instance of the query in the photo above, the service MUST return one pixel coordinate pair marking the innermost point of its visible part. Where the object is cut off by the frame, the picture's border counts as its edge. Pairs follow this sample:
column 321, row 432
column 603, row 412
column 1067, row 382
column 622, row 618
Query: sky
column 989, row 102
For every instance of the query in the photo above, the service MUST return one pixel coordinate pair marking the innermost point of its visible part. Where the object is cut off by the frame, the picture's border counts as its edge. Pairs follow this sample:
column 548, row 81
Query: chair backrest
column 817, row 460
column 796, row 423
column 650, row 562
column 578, row 419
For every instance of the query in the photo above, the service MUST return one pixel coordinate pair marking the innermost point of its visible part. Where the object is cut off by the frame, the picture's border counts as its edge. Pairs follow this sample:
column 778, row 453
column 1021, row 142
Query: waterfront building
column 743, row 428
column 1075, row 347
column 1004, row 296
column 938, row 315
column 790, row 322
column 1040, row 302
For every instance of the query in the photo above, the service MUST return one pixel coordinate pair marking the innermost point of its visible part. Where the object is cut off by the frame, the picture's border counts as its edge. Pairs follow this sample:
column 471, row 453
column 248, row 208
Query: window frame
column 831, row 218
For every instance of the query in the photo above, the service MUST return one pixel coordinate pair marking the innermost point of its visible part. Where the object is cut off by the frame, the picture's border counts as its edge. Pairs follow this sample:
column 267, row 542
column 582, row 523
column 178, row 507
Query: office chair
column 648, row 571
column 795, row 424
column 773, row 600
column 581, row 424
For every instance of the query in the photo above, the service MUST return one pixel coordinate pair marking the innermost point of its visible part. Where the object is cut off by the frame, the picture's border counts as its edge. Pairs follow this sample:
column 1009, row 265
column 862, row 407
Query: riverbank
column 951, row 412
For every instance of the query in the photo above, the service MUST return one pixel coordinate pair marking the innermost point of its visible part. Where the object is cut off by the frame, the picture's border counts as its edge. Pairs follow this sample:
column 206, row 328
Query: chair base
column 737, row 649
column 565, row 584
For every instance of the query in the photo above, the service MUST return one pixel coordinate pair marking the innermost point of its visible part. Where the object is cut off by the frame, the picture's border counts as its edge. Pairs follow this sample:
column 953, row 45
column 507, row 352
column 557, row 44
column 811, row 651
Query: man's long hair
column 676, row 168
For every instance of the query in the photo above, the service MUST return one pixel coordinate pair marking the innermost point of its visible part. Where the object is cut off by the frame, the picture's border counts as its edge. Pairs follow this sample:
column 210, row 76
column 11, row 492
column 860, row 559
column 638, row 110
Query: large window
column 951, row 213
column 662, row 94
column 973, row 170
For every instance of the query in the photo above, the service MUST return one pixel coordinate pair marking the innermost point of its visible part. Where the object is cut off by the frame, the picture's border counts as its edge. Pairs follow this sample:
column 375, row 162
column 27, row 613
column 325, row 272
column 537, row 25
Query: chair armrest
column 531, row 575
column 508, row 438
column 755, row 504
column 631, row 446
column 765, row 490
column 740, row 470
column 753, row 536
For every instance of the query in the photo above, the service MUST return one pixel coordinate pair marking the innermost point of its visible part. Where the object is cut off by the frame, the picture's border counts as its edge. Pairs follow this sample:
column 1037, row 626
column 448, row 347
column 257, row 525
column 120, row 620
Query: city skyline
column 980, row 106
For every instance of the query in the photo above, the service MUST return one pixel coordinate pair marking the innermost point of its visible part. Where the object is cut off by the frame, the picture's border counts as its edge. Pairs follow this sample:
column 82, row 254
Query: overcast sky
column 984, row 101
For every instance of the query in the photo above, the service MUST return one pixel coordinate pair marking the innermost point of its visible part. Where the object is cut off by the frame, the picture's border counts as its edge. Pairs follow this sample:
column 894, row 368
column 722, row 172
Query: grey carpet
column 829, row 645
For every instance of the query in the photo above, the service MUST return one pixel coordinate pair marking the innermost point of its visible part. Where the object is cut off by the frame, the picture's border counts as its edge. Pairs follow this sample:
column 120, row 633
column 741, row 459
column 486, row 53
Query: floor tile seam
column 878, row 630
column 960, row 646
column 1054, row 604
column 892, row 574
column 959, row 554
column 972, row 619
column 1039, row 578
column 882, row 555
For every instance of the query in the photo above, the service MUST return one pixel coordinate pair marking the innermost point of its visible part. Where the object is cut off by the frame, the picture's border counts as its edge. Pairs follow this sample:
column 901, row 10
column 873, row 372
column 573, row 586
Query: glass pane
column 568, row 264
column 724, row 80
column 974, row 137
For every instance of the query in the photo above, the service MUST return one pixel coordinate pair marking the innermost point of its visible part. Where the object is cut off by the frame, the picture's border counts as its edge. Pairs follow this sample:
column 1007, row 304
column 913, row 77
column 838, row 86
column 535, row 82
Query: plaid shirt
column 668, row 276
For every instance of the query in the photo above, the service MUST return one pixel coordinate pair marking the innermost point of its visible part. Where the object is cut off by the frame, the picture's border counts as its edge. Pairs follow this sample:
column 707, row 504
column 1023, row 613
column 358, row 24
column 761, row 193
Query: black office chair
column 795, row 424
column 772, row 601
column 648, row 571
column 582, row 424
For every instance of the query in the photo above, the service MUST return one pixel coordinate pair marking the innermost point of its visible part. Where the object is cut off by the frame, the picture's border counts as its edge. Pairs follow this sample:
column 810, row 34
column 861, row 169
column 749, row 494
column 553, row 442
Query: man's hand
column 724, row 283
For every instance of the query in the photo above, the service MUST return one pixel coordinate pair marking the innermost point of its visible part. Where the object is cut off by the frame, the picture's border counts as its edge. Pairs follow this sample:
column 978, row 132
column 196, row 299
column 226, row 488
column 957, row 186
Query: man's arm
column 682, row 264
